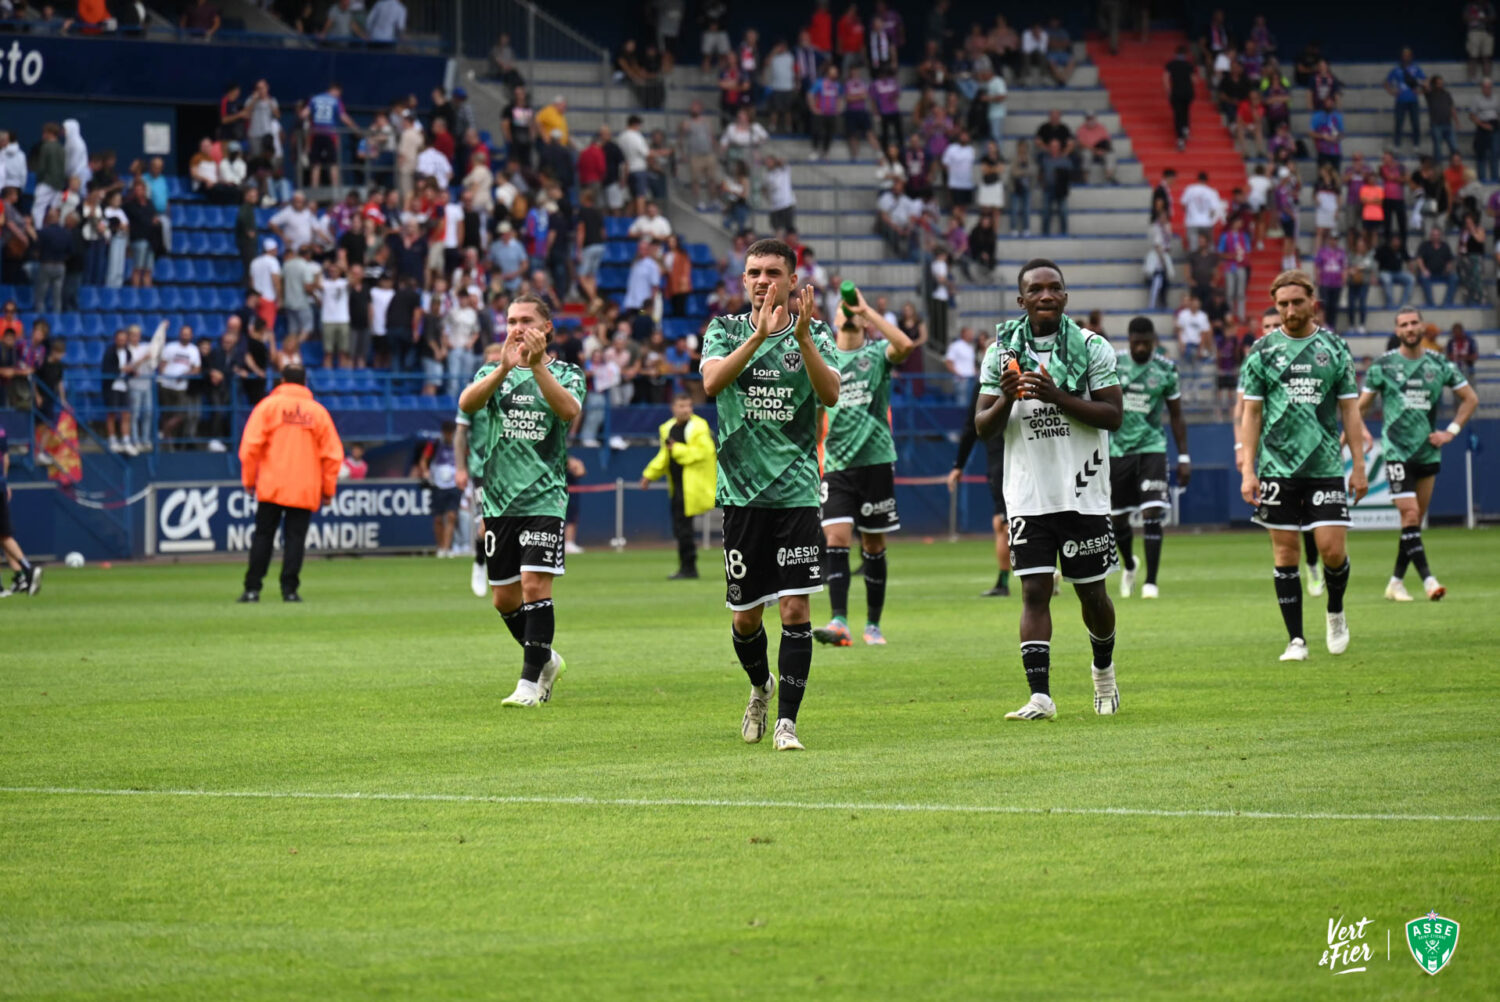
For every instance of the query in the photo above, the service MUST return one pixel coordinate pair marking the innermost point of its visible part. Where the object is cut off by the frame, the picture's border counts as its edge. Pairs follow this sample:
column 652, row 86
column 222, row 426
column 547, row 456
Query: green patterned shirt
column 478, row 424
column 859, row 425
column 1300, row 381
column 1147, row 388
column 1409, row 393
column 524, row 445
column 768, row 418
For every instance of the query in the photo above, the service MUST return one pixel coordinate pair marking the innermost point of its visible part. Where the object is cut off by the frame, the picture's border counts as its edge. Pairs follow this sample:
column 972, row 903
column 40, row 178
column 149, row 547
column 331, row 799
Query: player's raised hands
column 806, row 301
column 1038, row 385
column 769, row 319
column 534, row 347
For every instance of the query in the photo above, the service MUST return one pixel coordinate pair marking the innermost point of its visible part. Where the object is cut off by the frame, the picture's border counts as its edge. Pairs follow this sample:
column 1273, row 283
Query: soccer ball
column 74, row 559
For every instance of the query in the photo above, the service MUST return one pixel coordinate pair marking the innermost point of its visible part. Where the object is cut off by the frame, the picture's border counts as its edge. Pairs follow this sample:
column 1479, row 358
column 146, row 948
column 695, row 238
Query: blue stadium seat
column 194, row 243
column 128, row 299
column 613, row 278
column 166, row 270
column 170, row 298
column 219, row 244
column 175, row 187
column 618, row 253
column 704, row 279
column 408, row 402
column 263, row 218
column 139, row 320
column 93, row 325
column 178, row 215
column 228, row 300
column 193, row 217
column 22, row 296
column 112, row 322
column 197, row 321
column 150, row 299
column 67, row 325
column 79, row 353
column 371, row 403
column 697, row 304
column 700, row 255
column 203, row 272
column 363, row 381
column 88, row 297
column 617, row 227
column 226, row 272
column 676, row 327
column 445, row 404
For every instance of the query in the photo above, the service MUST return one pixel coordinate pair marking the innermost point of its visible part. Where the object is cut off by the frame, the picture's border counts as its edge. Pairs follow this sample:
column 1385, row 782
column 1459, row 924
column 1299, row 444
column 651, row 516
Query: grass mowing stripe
column 481, row 798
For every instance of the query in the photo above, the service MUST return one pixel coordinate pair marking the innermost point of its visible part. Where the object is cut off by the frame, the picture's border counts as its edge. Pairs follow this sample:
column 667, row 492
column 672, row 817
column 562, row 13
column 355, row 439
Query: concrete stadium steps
column 862, row 197
column 842, row 170
column 1129, row 222
column 1373, row 74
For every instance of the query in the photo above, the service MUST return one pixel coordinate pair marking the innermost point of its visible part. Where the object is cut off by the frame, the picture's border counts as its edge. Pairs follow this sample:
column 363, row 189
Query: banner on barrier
column 219, row 517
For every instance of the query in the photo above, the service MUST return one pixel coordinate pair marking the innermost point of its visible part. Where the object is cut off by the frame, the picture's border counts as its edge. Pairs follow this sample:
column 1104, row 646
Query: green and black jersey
column 768, row 417
column 1147, row 387
column 1410, row 391
column 1300, row 381
column 859, row 425
column 524, row 445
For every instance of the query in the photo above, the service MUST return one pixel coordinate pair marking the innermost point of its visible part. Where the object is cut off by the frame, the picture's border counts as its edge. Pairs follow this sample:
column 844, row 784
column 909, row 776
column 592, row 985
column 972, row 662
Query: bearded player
column 767, row 374
column 1269, row 321
column 528, row 401
column 1049, row 386
column 1299, row 387
column 1408, row 381
column 1138, row 451
column 859, row 472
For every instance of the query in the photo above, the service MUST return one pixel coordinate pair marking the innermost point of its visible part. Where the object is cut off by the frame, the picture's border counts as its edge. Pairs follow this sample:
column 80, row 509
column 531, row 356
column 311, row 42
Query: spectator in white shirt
column 434, row 164
column 180, row 361
column 645, row 279
column 265, row 279
column 294, row 224
column 897, row 214
column 1034, row 51
column 386, row 21
column 781, row 201
column 12, row 162
column 651, row 226
column 1202, row 208
column 333, row 292
column 637, row 153
column 1191, row 324
column 742, row 138
column 961, row 363
column 461, row 336
column 232, row 168
column 958, row 161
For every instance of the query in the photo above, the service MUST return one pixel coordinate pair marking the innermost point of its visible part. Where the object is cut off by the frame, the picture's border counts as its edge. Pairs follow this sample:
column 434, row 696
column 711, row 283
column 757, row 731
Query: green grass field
column 623, row 842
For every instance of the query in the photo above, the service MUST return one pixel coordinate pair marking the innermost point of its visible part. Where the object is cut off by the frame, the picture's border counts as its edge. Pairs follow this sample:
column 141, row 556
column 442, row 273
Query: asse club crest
column 1432, row 939
column 791, row 361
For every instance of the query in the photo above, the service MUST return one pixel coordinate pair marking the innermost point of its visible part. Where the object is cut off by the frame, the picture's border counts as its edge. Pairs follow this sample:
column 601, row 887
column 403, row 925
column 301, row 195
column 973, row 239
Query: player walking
column 1138, row 451
column 1299, row 384
column 1408, row 381
column 528, row 402
column 1269, row 321
column 767, row 375
column 859, row 473
column 994, row 455
column 473, row 431
column 1050, row 387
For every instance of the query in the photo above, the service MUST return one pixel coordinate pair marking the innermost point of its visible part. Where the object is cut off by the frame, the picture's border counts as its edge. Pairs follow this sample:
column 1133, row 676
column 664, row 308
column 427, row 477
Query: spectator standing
column 644, row 280
column 1234, row 251
column 140, row 377
column 886, row 88
column 1179, row 81
column 1393, row 181
column 695, row 133
column 386, row 22
column 1328, row 131
column 958, row 163
column 1479, row 36
column 1361, row 274
column 687, row 459
column 333, row 297
column 1393, row 264
column 781, row 200
column 264, row 119
column 51, row 173
column 637, row 155
column 1440, row 117
column 1331, row 265
column 1056, row 171
column 54, row 244
column 518, row 124
column 1436, row 263
column 1202, row 208
column 941, row 293
column 961, row 361
column 850, row 37
column 1203, row 268
column 781, row 81
column 299, row 281
column 825, row 100
column 142, row 222
column 1094, row 142
column 461, row 338
column 265, row 279
column 1021, row 177
column 1406, row 82
column 1484, row 112
column 1191, row 323
column 1462, row 351
column 290, row 457
column 325, row 113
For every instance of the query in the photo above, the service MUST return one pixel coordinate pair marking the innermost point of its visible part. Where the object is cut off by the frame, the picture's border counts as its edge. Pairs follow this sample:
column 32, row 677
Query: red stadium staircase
column 1134, row 81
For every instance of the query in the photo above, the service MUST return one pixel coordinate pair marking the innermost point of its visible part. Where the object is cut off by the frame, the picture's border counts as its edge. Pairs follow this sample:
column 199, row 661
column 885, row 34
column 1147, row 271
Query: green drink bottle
column 851, row 297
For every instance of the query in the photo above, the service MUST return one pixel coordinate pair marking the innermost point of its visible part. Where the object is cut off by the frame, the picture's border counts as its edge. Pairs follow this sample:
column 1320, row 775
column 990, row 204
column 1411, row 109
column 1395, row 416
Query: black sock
column 1310, row 547
column 1151, row 531
column 751, row 651
column 1337, row 579
column 838, row 580
column 1403, row 559
column 1104, row 650
column 875, row 571
column 25, row 566
column 793, row 662
column 537, row 650
column 1036, row 658
column 515, row 621
column 1003, row 580
column 1414, row 551
column 1125, row 539
column 1289, row 597
column 479, row 549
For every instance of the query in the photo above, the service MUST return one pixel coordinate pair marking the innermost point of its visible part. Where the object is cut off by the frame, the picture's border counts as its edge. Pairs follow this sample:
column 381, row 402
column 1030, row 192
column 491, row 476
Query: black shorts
column 116, row 400
column 324, row 149
column 513, row 544
column 996, row 481
column 857, row 123
column 961, row 196
column 1227, row 381
column 5, row 529
column 864, row 496
column 770, row 552
column 1301, row 503
column 445, row 499
column 1085, row 545
column 1404, row 477
column 1138, row 481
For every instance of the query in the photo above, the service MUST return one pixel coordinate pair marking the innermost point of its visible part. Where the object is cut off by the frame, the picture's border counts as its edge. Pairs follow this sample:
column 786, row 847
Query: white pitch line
column 795, row 805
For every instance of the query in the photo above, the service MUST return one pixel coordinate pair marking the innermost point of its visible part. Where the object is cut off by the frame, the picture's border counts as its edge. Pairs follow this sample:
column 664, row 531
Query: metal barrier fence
column 473, row 28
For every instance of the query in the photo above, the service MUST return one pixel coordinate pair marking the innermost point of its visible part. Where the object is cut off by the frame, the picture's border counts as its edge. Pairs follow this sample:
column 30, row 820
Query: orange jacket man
column 290, row 455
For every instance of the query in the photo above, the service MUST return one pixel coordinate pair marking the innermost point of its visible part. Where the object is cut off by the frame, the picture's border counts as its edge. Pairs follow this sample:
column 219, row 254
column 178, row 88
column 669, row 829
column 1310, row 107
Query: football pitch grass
column 211, row 801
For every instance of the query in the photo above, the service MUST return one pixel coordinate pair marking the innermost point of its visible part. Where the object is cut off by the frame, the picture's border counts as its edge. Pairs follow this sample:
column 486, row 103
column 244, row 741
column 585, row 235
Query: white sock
column 1395, row 580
